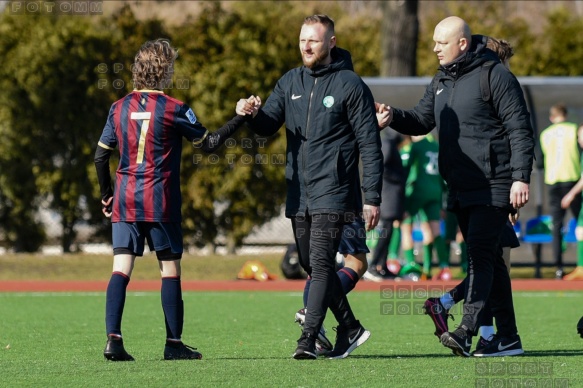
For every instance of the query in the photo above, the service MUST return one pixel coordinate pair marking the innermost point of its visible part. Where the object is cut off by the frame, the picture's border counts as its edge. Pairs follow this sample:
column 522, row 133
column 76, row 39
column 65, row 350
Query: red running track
column 274, row 285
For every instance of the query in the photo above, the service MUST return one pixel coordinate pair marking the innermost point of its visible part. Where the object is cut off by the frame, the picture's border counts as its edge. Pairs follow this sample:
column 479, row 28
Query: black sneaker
column 306, row 349
column 177, row 350
column 348, row 339
column 482, row 344
column 114, row 350
column 501, row 346
column 460, row 341
column 323, row 344
column 580, row 327
column 438, row 315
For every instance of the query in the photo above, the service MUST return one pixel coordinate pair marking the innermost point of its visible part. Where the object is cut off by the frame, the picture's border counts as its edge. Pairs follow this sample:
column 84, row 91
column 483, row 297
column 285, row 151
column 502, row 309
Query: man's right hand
column 372, row 215
column 384, row 115
column 249, row 106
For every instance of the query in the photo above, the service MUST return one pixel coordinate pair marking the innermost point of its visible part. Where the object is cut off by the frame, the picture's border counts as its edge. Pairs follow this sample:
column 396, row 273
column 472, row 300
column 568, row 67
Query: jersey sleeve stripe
column 102, row 145
column 196, row 142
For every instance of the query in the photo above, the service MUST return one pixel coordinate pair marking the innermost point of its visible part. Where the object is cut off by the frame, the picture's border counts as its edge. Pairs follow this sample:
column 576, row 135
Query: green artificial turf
column 247, row 338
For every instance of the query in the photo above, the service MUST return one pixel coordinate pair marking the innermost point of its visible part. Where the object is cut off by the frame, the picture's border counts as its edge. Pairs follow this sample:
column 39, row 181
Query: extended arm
column 417, row 121
column 267, row 120
column 214, row 140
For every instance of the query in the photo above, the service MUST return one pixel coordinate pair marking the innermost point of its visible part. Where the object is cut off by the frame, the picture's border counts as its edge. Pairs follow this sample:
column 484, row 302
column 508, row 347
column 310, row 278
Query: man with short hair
column 330, row 120
column 486, row 161
column 560, row 149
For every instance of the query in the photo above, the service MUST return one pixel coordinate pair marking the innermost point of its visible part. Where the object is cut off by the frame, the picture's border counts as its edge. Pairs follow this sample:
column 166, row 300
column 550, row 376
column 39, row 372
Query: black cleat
column 306, row 349
column 501, row 346
column 580, row 327
column 176, row 350
column 348, row 339
column 460, row 341
column 114, row 350
column 438, row 315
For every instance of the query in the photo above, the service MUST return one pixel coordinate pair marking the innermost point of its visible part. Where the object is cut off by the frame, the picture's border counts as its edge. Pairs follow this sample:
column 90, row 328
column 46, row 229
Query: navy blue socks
column 114, row 302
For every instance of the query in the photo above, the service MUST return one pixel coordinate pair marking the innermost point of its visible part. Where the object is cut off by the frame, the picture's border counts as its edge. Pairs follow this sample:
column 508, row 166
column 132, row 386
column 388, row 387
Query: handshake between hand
column 384, row 114
column 249, row 106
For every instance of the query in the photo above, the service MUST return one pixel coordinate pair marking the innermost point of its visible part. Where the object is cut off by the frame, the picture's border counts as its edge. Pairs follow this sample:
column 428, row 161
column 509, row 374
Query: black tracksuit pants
column 317, row 239
column 487, row 279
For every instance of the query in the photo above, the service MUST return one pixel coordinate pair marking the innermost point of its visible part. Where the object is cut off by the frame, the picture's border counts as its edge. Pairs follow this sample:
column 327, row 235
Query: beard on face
column 317, row 57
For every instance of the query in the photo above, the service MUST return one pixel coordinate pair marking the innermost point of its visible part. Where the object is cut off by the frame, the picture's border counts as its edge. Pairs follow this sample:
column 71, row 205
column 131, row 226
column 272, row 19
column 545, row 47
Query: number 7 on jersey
column 145, row 117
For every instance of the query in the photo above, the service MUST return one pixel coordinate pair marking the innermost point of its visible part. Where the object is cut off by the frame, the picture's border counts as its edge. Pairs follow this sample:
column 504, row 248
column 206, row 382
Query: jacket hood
column 341, row 60
column 474, row 57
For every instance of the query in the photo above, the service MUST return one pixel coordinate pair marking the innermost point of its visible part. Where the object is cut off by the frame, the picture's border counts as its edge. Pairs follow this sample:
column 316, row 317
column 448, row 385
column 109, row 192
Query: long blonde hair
column 153, row 64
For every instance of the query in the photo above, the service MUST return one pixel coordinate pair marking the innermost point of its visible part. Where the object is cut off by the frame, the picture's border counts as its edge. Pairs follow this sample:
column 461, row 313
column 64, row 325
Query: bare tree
column 399, row 34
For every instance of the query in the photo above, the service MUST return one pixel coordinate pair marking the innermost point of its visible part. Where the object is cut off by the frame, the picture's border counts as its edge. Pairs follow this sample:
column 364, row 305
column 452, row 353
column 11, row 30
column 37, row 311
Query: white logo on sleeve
column 190, row 115
column 294, row 97
column 439, row 91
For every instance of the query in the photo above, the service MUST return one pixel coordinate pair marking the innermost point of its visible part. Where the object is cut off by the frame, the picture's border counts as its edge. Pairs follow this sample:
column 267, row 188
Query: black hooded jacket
column 330, row 122
column 484, row 146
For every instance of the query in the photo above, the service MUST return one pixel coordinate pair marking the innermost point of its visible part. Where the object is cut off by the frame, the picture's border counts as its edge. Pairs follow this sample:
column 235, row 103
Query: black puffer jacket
column 330, row 122
column 484, row 145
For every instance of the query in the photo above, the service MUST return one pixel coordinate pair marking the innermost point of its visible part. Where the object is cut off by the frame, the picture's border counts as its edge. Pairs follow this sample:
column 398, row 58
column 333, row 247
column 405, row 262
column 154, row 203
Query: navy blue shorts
column 165, row 238
column 353, row 238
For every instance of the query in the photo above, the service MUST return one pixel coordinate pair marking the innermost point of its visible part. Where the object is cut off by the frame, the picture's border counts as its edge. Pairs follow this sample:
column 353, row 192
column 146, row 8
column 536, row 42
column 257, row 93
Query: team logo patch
column 191, row 116
column 328, row 101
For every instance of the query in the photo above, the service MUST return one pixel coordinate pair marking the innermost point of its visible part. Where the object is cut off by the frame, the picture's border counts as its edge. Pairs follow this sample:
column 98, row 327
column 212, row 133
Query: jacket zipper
column 304, row 148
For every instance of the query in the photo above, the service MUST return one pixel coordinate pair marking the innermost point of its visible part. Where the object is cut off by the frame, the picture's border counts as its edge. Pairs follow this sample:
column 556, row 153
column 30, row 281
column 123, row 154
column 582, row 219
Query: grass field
column 247, row 338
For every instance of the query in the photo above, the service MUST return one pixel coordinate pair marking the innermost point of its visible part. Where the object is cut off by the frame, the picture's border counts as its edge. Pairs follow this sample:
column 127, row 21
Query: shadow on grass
column 532, row 353
column 540, row 353
column 394, row 356
column 553, row 352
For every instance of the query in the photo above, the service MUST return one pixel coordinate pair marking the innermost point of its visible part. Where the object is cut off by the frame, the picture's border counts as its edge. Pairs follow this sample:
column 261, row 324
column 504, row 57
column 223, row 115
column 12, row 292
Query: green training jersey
column 424, row 180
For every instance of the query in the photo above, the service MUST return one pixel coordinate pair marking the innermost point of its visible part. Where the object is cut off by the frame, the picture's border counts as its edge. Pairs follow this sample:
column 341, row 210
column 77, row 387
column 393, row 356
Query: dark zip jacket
column 330, row 123
column 484, row 146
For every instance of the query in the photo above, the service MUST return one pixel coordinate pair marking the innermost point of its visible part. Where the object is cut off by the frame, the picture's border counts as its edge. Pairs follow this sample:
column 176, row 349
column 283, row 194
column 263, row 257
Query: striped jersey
column 148, row 126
